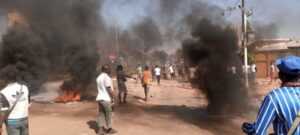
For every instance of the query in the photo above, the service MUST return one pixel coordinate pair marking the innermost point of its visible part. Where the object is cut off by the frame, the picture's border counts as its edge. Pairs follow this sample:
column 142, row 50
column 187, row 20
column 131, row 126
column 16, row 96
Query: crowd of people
column 105, row 97
column 281, row 106
column 15, row 100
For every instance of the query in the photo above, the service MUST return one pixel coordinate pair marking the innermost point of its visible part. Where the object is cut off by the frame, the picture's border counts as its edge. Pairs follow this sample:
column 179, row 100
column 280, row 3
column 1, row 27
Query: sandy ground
column 173, row 109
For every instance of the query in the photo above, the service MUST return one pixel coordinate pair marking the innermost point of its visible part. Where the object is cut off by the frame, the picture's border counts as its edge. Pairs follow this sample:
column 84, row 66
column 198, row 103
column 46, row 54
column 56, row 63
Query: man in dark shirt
column 121, row 79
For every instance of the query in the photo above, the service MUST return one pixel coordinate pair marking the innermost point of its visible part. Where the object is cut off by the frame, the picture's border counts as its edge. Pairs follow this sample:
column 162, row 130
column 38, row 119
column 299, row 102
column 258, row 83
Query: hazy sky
column 284, row 13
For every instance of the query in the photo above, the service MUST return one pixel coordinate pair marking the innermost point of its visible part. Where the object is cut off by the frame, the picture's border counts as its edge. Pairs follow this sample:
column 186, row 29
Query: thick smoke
column 213, row 50
column 265, row 31
column 160, row 57
column 134, row 48
column 2, row 23
column 149, row 34
column 284, row 14
column 213, row 47
column 165, row 24
column 133, row 44
column 54, row 37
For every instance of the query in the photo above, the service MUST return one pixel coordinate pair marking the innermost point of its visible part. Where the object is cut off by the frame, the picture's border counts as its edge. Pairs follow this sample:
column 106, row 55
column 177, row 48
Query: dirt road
column 173, row 109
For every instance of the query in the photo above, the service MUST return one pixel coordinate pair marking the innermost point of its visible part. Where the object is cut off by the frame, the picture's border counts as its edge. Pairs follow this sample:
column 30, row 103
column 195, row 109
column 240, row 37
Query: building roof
column 275, row 44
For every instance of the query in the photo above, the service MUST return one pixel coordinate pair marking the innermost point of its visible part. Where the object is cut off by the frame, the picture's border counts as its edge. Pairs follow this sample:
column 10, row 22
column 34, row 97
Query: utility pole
column 117, row 46
column 244, row 41
column 117, row 42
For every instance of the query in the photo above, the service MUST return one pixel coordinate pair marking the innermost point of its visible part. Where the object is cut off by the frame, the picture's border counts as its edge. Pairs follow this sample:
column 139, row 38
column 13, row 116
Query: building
column 268, row 50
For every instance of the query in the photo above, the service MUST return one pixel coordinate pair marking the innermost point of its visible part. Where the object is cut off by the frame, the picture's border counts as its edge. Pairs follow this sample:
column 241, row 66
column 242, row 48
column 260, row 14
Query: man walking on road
column 105, row 99
column 121, row 80
column 172, row 72
column 139, row 73
column 157, row 72
column 146, row 81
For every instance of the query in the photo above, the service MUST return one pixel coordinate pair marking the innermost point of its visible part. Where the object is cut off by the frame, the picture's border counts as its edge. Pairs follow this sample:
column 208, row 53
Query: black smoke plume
column 213, row 51
column 56, row 37
column 149, row 34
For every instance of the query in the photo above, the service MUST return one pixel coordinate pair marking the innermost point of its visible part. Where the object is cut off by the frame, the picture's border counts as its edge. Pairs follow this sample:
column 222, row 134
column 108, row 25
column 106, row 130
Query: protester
column 164, row 72
column 181, row 74
column 153, row 73
column 172, row 72
column 139, row 73
column 146, row 81
column 253, row 68
column 233, row 70
column 121, row 79
column 105, row 99
column 253, row 71
column 16, row 94
column 157, row 72
column 272, row 72
column 281, row 106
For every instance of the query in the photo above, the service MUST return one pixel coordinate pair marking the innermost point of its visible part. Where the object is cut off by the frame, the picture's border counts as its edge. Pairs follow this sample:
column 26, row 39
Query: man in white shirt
column 105, row 99
column 252, row 73
column 172, row 72
column 253, row 68
column 157, row 73
column 17, row 96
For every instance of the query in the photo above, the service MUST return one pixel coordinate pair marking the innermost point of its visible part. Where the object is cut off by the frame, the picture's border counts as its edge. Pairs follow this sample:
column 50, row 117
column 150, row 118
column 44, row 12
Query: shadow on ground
column 199, row 117
column 93, row 125
column 190, row 115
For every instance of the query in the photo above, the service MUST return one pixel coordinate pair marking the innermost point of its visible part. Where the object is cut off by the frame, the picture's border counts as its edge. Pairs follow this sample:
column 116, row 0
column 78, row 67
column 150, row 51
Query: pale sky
column 286, row 13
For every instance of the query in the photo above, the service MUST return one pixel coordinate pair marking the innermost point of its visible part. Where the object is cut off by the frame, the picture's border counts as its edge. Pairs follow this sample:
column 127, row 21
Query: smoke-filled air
column 149, row 60
column 52, row 37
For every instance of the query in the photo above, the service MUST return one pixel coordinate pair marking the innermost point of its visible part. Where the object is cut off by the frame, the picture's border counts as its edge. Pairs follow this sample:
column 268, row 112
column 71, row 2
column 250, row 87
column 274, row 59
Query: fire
column 69, row 93
column 68, row 96
column 15, row 18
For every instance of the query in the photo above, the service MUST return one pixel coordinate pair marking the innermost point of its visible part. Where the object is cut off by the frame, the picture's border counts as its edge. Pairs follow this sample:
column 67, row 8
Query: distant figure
column 253, row 68
column 164, row 72
column 146, row 81
column 17, row 97
column 172, row 72
column 253, row 71
column 153, row 73
column 233, row 70
column 105, row 99
column 181, row 73
column 248, row 68
column 139, row 73
column 157, row 72
column 272, row 72
column 121, row 79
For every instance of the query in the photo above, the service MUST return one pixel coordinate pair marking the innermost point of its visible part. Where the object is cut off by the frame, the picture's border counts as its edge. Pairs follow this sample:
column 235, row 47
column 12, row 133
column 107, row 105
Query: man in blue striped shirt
column 281, row 106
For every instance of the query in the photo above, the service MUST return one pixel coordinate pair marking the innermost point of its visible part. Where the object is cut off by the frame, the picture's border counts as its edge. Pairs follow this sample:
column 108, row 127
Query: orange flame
column 15, row 18
column 69, row 96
